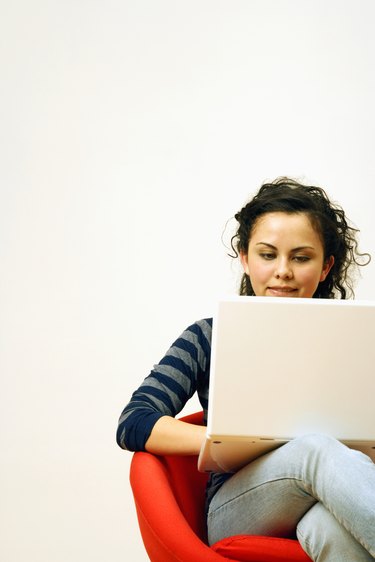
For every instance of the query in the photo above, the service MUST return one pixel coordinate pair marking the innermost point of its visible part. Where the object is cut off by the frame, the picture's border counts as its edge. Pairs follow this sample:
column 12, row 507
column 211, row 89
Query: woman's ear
column 245, row 262
column 327, row 268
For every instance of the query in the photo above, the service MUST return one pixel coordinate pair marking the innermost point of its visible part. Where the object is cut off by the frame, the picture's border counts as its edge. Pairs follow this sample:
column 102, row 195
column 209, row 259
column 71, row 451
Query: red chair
column 169, row 499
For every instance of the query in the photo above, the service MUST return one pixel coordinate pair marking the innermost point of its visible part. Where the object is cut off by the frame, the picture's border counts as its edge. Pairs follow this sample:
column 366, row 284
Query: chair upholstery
column 169, row 495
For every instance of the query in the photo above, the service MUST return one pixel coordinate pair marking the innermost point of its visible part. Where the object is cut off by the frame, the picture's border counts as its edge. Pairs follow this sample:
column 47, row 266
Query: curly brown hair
column 339, row 239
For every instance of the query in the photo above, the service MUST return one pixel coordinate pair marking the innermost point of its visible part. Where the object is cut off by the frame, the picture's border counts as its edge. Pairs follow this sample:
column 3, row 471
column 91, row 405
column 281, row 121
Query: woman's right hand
column 170, row 436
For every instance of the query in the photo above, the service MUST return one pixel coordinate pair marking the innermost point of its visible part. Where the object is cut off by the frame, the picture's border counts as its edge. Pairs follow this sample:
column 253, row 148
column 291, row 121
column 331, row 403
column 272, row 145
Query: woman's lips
column 282, row 291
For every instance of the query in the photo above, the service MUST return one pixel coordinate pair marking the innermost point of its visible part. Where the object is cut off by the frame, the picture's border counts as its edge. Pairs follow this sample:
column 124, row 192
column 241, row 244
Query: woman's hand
column 175, row 437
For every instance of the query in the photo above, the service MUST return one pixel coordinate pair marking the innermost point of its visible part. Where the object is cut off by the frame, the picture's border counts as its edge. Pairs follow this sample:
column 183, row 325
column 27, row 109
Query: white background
column 131, row 131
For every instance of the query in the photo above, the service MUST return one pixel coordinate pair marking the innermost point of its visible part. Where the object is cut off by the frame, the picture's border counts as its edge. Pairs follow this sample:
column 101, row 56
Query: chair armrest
column 166, row 533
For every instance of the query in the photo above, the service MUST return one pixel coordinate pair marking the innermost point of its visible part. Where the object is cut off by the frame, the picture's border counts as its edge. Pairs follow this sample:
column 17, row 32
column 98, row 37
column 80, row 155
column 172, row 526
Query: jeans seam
column 304, row 542
column 228, row 502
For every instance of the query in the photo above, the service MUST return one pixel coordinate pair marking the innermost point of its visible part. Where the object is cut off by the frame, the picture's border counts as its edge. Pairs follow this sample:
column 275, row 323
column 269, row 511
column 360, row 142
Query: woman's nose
column 283, row 270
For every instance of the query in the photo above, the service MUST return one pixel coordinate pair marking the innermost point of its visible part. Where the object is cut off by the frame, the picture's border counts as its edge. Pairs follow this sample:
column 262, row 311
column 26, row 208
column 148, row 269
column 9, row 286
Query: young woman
column 292, row 242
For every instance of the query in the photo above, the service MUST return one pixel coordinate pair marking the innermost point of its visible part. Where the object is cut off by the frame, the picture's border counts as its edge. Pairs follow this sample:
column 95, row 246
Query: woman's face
column 285, row 256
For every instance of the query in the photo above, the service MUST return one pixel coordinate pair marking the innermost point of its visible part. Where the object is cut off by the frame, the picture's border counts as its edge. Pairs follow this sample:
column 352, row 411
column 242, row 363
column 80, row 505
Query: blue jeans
column 313, row 487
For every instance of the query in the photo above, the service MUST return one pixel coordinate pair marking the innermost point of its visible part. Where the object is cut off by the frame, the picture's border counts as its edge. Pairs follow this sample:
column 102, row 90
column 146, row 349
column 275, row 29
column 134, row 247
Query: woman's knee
column 314, row 443
column 316, row 440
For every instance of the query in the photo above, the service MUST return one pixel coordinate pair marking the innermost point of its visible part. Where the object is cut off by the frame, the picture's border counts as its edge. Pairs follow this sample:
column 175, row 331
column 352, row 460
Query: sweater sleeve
column 171, row 383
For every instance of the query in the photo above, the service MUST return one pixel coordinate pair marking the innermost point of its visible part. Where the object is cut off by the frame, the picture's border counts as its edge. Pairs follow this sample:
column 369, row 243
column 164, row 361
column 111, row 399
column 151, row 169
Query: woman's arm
column 175, row 437
column 147, row 422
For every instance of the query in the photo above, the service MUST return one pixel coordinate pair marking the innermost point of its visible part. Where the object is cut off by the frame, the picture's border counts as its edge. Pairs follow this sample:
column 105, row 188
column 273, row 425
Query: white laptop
column 284, row 367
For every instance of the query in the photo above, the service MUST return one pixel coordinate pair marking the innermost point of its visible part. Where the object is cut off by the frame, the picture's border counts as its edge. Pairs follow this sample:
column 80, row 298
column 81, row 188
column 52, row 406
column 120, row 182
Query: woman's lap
column 271, row 495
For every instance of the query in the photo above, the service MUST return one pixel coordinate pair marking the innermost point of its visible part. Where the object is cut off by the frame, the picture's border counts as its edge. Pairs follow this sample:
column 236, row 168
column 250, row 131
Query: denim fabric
column 313, row 487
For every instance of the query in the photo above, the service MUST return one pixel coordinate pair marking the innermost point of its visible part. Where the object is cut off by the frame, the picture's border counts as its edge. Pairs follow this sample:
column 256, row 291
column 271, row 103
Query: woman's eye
column 301, row 259
column 267, row 256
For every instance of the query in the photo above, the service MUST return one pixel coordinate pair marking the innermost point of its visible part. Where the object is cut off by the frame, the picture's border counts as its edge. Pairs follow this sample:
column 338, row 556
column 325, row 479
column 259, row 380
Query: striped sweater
column 184, row 370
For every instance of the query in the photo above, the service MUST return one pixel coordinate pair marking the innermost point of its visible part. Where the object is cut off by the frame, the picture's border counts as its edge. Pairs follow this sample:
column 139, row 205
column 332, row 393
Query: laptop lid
column 284, row 367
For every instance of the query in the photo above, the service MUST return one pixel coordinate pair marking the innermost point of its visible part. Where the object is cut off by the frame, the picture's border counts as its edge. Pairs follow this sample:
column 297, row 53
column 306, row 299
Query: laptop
column 285, row 367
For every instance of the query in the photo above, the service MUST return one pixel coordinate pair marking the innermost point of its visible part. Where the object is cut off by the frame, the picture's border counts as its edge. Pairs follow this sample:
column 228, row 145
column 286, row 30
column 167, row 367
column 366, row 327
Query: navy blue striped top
column 184, row 370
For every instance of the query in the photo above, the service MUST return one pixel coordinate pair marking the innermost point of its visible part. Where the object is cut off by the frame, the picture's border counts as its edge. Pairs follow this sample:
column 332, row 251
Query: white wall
column 130, row 132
